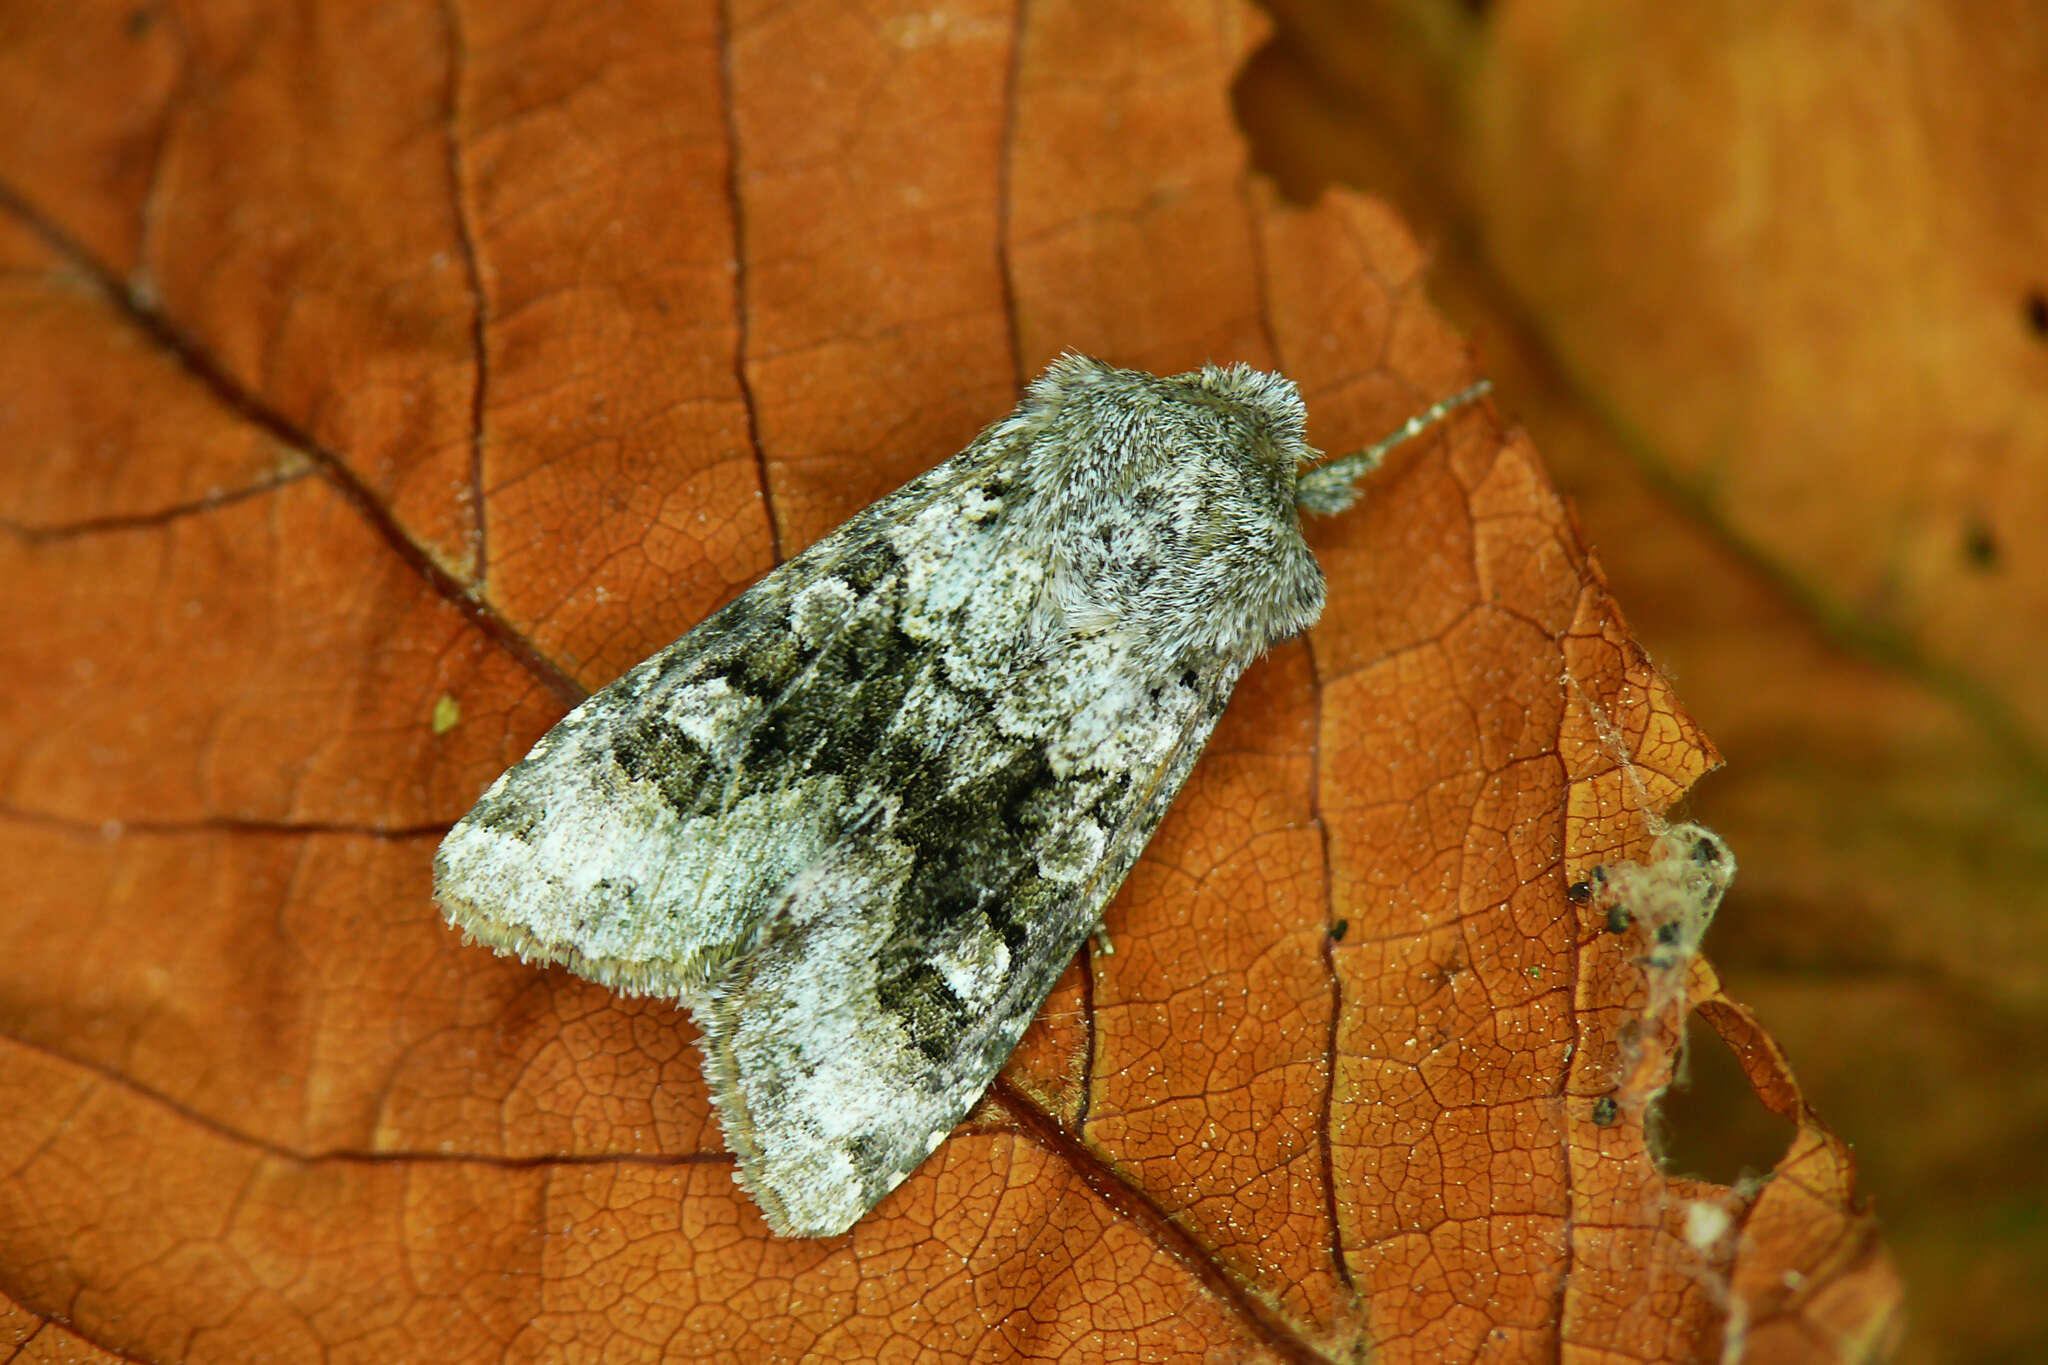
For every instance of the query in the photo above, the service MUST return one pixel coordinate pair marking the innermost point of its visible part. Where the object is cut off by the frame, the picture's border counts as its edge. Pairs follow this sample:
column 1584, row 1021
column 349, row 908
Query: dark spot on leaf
column 1339, row 929
column 1579, row 893
column 1980, row 546
column 1605, row 1111
column 1617, row 919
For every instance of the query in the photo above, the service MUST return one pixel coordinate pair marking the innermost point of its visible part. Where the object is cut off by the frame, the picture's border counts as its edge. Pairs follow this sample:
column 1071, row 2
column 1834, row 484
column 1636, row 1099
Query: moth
column 860, row 819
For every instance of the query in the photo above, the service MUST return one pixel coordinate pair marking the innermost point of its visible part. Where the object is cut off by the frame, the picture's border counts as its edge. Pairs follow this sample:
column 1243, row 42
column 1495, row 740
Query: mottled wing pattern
column 877, row 786
column 644, row 840
column 896, row 976
column 860, row 820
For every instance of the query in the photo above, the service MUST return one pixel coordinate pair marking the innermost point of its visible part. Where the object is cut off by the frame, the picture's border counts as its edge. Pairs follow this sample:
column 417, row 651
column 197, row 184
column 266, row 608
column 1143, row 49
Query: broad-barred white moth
column 860, row 819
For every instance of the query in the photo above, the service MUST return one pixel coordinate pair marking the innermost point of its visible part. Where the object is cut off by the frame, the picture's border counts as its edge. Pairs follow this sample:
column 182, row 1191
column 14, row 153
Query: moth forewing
column 859, row 820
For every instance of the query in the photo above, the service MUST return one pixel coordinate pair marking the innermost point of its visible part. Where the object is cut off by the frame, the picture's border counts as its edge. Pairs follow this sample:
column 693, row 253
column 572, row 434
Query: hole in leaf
column 1710, row 1123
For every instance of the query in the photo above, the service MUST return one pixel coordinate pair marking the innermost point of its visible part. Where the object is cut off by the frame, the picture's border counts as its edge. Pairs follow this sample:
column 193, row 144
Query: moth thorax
column 1189, row 577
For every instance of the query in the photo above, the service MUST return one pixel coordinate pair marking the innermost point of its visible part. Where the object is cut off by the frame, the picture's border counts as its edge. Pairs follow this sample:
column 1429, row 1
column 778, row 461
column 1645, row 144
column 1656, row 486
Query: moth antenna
column 1332, row 487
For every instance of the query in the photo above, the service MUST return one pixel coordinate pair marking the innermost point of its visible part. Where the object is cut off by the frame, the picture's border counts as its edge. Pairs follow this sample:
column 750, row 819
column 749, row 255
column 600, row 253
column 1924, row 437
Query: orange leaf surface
column 383, row 380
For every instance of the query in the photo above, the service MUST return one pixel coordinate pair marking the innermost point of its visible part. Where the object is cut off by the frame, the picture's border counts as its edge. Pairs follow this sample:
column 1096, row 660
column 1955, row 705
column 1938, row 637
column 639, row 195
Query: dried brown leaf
column 399, row 377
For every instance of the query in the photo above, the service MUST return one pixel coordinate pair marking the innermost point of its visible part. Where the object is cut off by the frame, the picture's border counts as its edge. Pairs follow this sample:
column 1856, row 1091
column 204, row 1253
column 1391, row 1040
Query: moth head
column 1167, row 506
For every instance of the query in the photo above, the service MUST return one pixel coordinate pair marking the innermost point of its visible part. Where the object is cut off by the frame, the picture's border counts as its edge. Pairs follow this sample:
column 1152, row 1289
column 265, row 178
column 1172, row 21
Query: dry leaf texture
column 384, row 378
